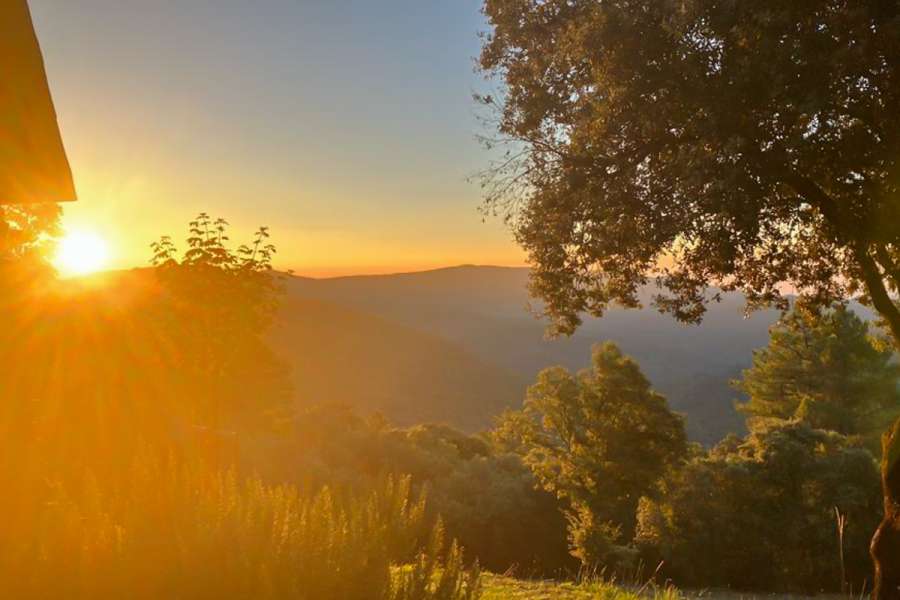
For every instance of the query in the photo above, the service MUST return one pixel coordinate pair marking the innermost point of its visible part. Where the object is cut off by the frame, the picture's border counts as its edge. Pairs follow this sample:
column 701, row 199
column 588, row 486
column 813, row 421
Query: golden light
column 80, row 253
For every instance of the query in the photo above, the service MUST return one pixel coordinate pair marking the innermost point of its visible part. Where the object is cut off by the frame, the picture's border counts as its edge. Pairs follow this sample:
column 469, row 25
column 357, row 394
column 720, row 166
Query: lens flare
column 81, row 253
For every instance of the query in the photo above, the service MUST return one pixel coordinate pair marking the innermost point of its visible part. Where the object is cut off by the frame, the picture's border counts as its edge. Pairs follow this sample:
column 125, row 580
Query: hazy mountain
column 459, row 345
column 484, row 310
column 338, row 354
column 335, row 353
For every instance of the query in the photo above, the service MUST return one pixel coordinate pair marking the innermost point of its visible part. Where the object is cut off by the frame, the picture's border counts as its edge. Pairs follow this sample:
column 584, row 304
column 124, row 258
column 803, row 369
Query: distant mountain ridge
column 458, row 345
column 484, row 311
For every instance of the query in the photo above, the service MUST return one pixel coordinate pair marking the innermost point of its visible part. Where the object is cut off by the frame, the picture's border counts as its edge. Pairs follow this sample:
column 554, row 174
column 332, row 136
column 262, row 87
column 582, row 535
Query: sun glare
column 81, row 253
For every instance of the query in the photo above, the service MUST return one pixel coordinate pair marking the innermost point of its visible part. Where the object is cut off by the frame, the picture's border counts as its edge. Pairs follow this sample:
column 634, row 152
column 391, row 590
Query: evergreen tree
column 825, row 368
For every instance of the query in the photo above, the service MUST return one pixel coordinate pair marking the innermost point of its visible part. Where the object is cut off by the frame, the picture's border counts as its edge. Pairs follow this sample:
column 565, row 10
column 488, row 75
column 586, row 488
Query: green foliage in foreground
column 181, row 532
column 759, row 512
column 485, row 497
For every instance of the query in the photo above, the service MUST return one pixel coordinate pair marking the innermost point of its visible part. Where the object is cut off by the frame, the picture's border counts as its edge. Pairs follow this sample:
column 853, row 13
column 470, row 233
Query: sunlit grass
column 174, row 531
column 498, row 587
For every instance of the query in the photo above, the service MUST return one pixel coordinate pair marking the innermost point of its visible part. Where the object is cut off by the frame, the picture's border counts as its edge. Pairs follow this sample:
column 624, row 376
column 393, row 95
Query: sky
column 347, row 126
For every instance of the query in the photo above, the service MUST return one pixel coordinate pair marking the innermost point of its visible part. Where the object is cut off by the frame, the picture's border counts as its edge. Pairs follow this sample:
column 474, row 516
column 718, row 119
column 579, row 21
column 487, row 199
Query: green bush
column 759, row 512
column 487, row 498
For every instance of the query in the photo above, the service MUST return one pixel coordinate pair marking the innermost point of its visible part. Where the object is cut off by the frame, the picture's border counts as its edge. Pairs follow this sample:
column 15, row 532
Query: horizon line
column 392, row 272
column 320, row 274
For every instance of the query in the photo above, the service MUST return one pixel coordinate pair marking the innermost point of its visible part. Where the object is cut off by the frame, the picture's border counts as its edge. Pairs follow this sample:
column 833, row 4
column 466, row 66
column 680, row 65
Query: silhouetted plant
column 218, row 305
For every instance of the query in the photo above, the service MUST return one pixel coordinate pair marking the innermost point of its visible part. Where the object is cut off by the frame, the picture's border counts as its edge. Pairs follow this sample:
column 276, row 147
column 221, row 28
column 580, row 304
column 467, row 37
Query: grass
column 167, row 528
column 498, row 587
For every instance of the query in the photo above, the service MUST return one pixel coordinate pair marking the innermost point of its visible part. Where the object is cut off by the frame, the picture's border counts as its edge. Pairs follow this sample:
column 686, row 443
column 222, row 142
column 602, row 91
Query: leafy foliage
column 698, row 140
column 24, row 230
column 218, row 304
column 759, row 512
column 599, row 440
column 485, row 496
column 24, row 233
column 824, row 368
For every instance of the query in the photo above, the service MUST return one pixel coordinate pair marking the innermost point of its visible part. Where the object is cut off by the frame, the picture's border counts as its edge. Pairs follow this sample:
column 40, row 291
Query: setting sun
column 80, row 253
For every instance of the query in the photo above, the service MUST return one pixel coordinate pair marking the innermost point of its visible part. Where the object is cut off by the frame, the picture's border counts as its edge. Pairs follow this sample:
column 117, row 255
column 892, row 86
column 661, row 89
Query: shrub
column 177, row 531
column 486, row 497
column 759, row 512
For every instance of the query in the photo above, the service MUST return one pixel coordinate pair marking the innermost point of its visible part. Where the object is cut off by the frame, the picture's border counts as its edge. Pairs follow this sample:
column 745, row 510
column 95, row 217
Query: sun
column 81, row 253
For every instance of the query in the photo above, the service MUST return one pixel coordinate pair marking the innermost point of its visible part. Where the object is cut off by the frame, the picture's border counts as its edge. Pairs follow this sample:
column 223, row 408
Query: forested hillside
column 459, row 345
column 344, row 355
column 485, row 311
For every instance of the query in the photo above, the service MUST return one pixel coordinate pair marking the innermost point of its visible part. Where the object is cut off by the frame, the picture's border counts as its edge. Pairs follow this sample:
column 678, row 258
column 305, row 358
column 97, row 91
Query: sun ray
column 81, row 253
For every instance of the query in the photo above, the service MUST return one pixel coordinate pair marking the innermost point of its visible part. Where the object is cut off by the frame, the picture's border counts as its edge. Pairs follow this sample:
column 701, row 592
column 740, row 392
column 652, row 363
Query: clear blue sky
column 345, row 125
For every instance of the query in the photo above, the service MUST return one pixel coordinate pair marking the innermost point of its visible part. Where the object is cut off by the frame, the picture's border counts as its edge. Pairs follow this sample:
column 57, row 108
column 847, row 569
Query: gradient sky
column 347, row 126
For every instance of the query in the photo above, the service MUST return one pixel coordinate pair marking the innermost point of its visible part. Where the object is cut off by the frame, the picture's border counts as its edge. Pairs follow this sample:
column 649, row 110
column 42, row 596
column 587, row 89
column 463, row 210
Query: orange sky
column 349, row 130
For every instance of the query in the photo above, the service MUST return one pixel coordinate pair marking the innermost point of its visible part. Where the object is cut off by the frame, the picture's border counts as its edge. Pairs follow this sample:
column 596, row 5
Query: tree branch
column 871, row 275
column 814, row 194
column 878, row 293
column 887, row 263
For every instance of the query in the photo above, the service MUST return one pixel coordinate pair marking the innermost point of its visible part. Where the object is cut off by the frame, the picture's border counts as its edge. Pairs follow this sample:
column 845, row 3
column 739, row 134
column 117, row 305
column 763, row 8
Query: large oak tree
column 747, row 145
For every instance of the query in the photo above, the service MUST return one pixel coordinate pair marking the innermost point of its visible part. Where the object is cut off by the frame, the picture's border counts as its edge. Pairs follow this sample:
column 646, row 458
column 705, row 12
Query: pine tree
column 825, row 368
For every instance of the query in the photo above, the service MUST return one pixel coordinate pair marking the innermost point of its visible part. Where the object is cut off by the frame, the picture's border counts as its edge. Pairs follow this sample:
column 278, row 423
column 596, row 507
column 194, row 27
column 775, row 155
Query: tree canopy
column 759, row 512
column 600, row 440
column 752, row 145
column 823, row 367
column 739, row 144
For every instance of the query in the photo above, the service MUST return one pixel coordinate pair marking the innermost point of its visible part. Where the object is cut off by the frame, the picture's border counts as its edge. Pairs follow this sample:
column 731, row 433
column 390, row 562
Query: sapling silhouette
column 219, row 303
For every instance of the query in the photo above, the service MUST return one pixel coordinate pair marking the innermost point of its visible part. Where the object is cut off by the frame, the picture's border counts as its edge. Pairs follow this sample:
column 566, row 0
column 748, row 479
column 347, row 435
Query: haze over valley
column 458, row 345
